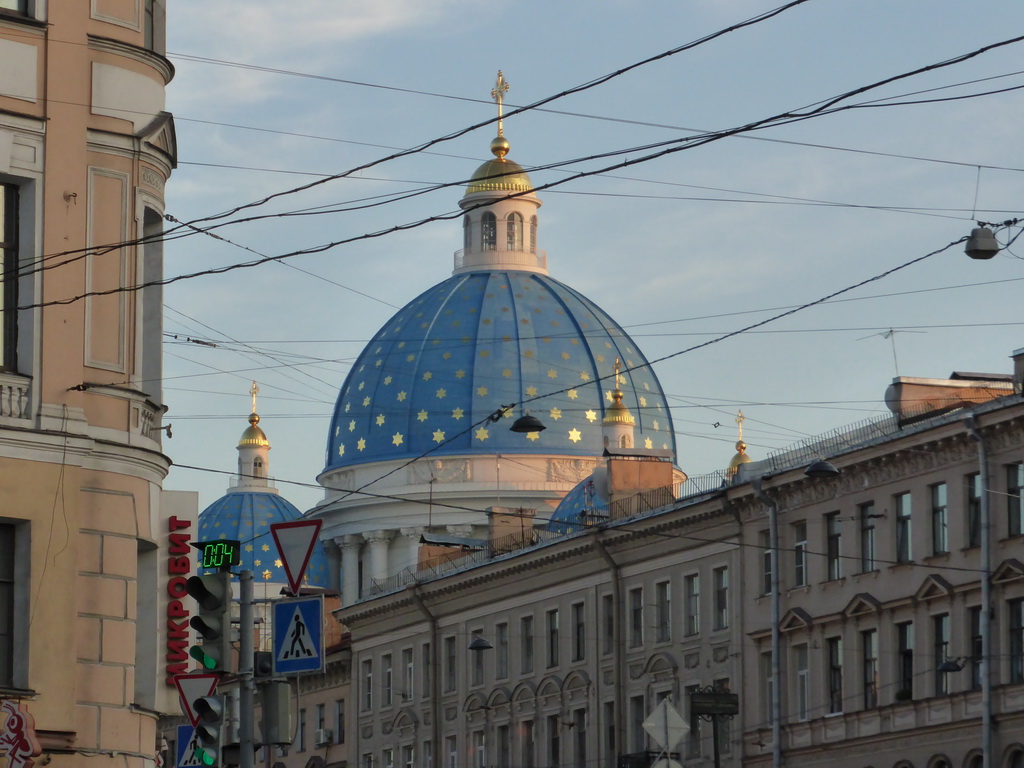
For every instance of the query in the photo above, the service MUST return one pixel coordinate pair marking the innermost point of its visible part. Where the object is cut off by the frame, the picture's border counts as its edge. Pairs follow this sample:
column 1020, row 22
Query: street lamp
column 981, row 244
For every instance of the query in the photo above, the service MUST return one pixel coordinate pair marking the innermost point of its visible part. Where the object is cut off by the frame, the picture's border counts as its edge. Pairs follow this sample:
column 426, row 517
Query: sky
column 680, row 249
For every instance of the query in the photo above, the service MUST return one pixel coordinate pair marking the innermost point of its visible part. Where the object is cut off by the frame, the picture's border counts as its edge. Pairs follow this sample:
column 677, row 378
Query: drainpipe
column 435, row 678
column 618, row 669
column 773, row 544
column 986, row 595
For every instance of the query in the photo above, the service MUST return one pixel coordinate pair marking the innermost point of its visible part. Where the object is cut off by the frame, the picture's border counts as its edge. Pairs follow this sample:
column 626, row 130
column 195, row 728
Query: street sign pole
column 246, row 625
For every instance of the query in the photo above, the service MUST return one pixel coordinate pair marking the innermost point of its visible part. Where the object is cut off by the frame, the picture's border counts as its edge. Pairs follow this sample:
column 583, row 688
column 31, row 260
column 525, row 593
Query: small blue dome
column 247, row 517
column 584, row 505
column 480, row 340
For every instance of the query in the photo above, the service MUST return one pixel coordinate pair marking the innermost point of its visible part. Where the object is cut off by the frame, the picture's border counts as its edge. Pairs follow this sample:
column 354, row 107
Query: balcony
column 466, row 261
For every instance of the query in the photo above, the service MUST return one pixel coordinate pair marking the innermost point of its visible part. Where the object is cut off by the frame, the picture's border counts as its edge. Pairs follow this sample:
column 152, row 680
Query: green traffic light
column 205, row 660
column 207, row 758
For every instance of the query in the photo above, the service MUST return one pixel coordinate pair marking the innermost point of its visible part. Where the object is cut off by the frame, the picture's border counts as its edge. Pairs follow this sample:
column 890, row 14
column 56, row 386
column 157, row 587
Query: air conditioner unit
column 323, row 736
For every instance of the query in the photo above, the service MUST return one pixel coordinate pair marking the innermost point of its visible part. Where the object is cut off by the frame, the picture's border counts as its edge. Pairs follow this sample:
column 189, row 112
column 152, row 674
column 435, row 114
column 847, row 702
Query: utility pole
column 246, row 701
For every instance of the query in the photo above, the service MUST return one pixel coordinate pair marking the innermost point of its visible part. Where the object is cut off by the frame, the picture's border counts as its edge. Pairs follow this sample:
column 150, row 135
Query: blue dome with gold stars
column 584, row 505
column 431, row 377
column 247, row 516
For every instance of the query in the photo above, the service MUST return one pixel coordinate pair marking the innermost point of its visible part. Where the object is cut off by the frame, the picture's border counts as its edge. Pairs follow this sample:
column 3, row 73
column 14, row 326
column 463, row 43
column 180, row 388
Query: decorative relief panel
column 691, row 660
column 569, row 470
column 442, row 470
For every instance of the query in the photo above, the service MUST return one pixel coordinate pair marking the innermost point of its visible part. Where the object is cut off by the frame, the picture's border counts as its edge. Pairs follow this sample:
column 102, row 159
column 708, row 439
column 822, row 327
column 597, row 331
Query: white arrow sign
column 295, row 541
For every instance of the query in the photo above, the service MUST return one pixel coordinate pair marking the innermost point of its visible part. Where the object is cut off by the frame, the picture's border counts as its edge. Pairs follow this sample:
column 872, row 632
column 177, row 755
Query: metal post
column 714, row 735
column 773, row 544
column 246, row 627
column 986, row 596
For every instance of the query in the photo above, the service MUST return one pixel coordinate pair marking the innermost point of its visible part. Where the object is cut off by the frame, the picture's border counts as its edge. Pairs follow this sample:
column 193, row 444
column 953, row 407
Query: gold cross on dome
column 498, row 94
column 740, row 418
column 619, row 378
column 254, row 390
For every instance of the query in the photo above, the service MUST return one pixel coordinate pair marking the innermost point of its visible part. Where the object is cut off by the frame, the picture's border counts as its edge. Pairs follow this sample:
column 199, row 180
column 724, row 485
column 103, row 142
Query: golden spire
column 253, row 435
column 741, row 448
column 617, row 412
column 254, row 390
column 498, row 94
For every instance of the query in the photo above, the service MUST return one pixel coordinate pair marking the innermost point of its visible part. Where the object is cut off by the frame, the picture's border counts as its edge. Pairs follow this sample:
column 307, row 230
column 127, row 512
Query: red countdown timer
column 220, row 554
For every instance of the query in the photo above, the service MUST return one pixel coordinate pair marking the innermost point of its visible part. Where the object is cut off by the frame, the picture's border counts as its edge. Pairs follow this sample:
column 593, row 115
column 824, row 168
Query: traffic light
column 211, row 727
column 213, row 593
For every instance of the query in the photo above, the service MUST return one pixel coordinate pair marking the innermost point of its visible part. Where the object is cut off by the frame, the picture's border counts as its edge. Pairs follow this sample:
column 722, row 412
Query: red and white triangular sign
column 192, row 687
column 295, row 541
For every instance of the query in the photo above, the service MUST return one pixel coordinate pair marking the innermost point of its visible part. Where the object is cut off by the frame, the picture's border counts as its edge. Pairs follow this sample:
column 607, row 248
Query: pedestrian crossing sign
column 298, row 635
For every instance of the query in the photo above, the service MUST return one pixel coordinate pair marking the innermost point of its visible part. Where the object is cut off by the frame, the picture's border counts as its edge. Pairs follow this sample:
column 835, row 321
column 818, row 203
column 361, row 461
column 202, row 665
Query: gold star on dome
column 265, row 548
column 584, row 376
column 643, row 401
column 566, row 355
column 648, row 444
column 528, row 353
column 647, row 387
column 257, row 563
column 591, row 416
column 341, row 449
column 552, row 373
column 427, row 376
column 348, row 406
column 531, row 391
column 457, row 414
column 460, row 374
column 533, row 436
column 572, row 394
column 554, row 323
column 447, row 355
column 555, row 414
column 401, row 396
column 421, row 416
column 481, row 391
column 486, row 321
column 397, row 438
column 366, row 401
column 482, row 434
column 608, row 395
column 410, row 357
column 379, row 362
column 380, row 419
column 277, row 563
column 438, row 436
column 485, row 353
column 362, row 384
column 507, row 413
column 504, row 309
column 655, row 425
column 506, row 373
column 267, row 575
column 608, row 344
column 599, row 358
column 248, row 547
column 352, row 425
column 465, row 339
column 337, row 431
column 575, row 436
column 401, row 344
column 387, row 380
column 506, row 338
column 441, row 393
column 361, row 444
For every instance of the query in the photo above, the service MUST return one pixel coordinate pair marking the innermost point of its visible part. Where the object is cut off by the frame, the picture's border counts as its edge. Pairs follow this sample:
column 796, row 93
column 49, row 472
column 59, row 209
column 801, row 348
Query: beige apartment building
column 91, row 549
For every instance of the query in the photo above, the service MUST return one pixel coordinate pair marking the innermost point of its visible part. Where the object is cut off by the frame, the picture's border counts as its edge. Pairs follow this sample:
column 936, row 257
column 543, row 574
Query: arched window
column 514, row 232
column 625, row 442
column 466, row 228
column 488, row 232
column 257, row 467
column 533, row 234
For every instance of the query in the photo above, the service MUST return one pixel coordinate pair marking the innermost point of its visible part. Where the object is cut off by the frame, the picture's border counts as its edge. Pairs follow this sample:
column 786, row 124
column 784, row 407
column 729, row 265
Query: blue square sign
column 298, row 635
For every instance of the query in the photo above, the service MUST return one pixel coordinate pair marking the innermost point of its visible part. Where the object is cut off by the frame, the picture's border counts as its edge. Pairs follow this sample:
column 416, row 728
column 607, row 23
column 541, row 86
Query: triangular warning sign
column 298, row 642
column 295, row 541
column 192, row 687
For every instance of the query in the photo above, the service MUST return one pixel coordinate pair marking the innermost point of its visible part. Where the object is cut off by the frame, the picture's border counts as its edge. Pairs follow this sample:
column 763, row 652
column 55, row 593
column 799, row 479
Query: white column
column 411, row 557
column 349, row 546
column 378, row 541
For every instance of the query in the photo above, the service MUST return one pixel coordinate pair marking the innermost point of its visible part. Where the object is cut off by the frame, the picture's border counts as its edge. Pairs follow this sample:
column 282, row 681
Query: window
column 940, row 646
column 488, row 232
column 579, row 725
column 451, row 748
column 974, row 618
column 869, row 667
column 425, row 669
column 940, row 519
column 663, row 611
column 579, row 632
column 367, row 684
column 608, row 625
column 799, row 554
column 554, row 741
column 15, row 5
column 514, row 232
column 803, row 682
column 1014, row 494
column 300, row 733
column 408, row 756
column 724, row 731
column 552, row 621
column 905, row 660
column 720, row 579
column 636, row 617
column 691, row 595
column 479, row 750
column 388, row 683
column 320, row 716
column 609, row 728
column 501, row 650
column 904, row 552
column 533, row 234
column 767, row 686
column 367, row 760
column 8, row 551
column 387, row 758
column 467, row 228
column 1016, row 641
column 339, row 721
column 833, row 547
column 409, row 686
column 449, row 664
column 766, row 563
column 693, row 739
column 504, row 746
column 9, row 267
column 973, row 488
column 478, row 659
column 526, row 644
column 428, row 754
column 867, row 537
column 527, row 760
column 834, row 647
column 637, row 714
